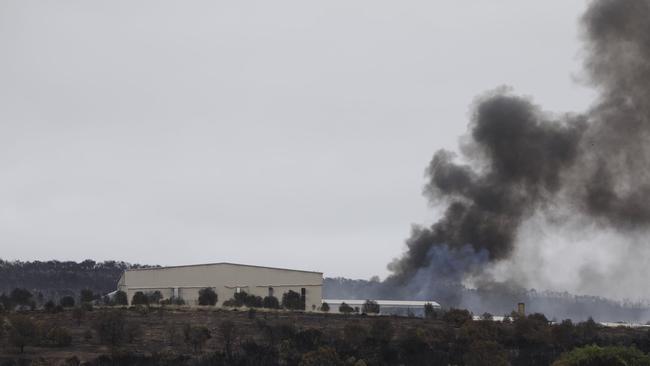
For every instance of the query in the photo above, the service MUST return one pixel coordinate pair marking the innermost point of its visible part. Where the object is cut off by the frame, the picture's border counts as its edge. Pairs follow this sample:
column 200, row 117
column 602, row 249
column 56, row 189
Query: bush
column 120, row 298
column 429, row 311
column 381, row 329
column 207, row 296
column 111, row 327
column 154, row 297
column 49, row 306
column 457, row 317
column 271, row 302
column 67, row 301
column 293, row 301
column 196, row 336
column 370, row 307
column 78, row 314
column 58, row 337
column 23, row 332
column 20, row 296
column 325, row 307
column 486, row 353
column 324, row 356
column 139, row 298
column 173, row 301
column 345, row 308
column 610, row 356
column 86, row 295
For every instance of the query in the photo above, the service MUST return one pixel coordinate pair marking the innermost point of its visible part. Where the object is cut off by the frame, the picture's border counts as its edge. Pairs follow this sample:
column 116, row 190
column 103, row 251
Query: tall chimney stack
column 521, row 309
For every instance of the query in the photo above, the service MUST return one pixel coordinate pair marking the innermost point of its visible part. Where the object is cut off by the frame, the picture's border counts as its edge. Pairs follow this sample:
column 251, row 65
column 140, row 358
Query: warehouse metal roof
column 385, row 303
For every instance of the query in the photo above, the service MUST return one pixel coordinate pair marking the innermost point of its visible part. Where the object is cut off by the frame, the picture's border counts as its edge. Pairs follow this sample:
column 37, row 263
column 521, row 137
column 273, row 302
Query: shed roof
column 218, row 263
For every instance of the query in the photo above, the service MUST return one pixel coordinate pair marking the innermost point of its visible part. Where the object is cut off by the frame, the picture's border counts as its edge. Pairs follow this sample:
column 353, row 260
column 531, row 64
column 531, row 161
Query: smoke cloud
column 520, row 164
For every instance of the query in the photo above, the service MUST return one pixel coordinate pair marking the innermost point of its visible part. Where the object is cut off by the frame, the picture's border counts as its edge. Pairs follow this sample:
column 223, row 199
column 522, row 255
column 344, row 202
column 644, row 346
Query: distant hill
column 54, row 279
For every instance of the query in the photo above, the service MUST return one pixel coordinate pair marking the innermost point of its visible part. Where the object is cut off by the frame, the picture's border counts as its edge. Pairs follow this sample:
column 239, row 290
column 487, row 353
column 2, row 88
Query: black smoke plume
column 518, row 160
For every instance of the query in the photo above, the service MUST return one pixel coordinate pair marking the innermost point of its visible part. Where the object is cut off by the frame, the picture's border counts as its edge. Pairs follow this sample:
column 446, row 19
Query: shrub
column 86, row 295
column 324, row 356
column 111, row 327
column 67, row 301
column 58, row 337
column 139, row 298
column 228, row 332
column 457, row 317
column 133, row 331
column 173, row 301
column 325, row 307
column 20, row 296
column 381, row 329
column 370, row 307
column 610, row 356
column 345, row 308
column 271, row 302
column 207, row 296
column 78, row 314
column 196, row 336
column 23, row 332
column 49, row 306
column 486, row 353
column 154, row 297
column 429, row 311
column 293, row 301
column 120, row 298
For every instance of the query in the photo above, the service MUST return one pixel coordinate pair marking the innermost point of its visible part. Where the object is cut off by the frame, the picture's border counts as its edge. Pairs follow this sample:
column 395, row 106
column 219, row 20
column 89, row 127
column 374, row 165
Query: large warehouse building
column 226, row 279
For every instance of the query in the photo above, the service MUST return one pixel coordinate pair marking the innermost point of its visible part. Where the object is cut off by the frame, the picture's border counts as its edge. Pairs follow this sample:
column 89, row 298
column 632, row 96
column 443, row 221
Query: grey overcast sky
column 281, row 133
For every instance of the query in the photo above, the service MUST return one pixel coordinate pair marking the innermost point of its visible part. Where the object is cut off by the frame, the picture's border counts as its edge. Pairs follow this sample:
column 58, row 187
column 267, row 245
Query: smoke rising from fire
column 519, row 162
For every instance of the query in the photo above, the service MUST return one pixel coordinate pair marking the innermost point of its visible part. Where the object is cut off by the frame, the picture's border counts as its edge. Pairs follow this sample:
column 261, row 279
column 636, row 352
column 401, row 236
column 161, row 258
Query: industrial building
column 225, row 279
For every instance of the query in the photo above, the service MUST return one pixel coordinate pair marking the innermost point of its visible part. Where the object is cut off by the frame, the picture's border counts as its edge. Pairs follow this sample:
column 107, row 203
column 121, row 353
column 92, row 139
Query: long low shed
column 225, row 279
column 385, row 306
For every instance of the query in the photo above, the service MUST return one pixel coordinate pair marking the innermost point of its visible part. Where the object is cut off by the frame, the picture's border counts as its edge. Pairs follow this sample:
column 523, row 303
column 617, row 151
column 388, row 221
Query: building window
column 270, row 291
column 238, row 290
column 303, row 292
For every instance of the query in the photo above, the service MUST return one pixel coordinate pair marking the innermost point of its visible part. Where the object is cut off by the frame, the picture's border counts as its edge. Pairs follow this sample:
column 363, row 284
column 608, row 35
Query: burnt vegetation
column 205, row 335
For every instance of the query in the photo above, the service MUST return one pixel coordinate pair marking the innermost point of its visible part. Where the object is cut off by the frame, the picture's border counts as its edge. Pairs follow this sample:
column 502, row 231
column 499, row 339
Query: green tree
column 86, row 295
column 292, row 300
column 370, row 307
column 20, row 296
column 325, row 307
column 271, row 302
column 429, row 311
column 345, row 308
column 22, row 332
column 457, row 317
column 139, row 298
column 120, row 298
column 154, row 297
column 67, row 301
column 486, row 353
column 603, row 356
column 207, row 296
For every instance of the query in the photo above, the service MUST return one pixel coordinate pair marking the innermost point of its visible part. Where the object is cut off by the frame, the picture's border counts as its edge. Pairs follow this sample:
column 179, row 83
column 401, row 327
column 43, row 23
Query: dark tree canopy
column 207, row 296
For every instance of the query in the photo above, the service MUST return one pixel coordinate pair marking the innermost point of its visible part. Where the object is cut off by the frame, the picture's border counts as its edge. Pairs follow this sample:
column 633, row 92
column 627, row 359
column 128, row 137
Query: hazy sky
column 281, row 133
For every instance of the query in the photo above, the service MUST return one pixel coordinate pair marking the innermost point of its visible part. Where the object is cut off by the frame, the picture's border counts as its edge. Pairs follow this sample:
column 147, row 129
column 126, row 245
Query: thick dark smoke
column 518, row 160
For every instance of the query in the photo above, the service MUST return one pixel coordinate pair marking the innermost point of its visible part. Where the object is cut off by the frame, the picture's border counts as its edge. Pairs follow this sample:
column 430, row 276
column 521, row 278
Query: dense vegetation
column 55, row 279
